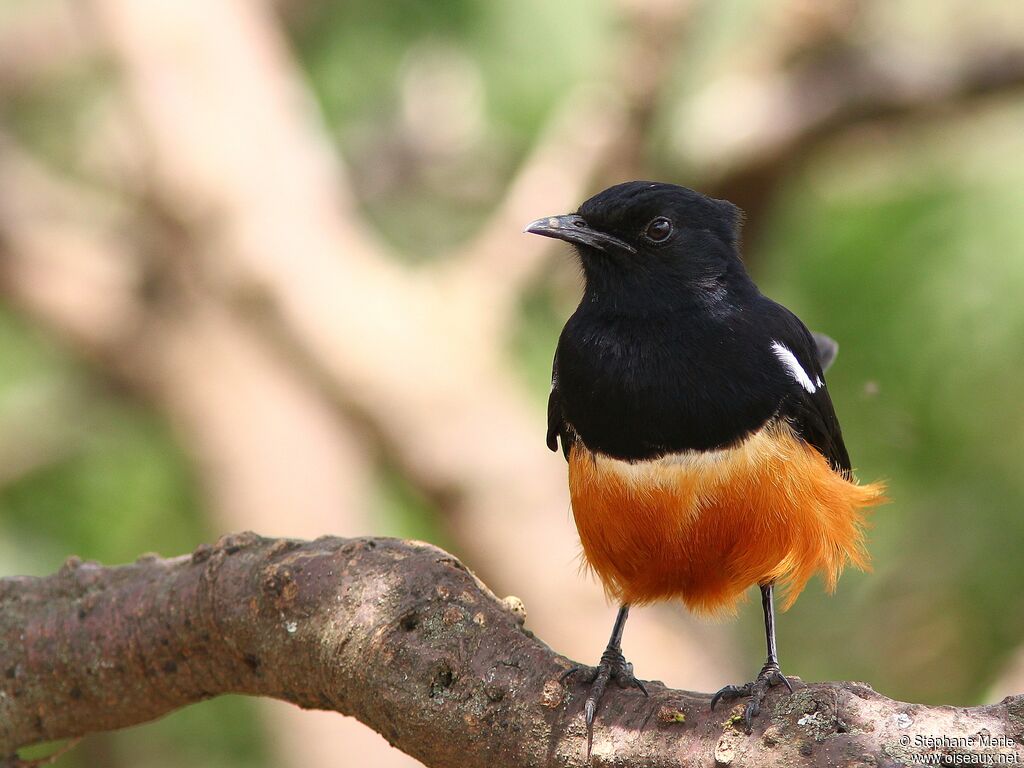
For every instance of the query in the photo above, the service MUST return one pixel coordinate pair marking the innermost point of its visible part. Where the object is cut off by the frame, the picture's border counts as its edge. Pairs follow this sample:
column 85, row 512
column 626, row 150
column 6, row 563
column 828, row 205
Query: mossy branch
column 403, row 637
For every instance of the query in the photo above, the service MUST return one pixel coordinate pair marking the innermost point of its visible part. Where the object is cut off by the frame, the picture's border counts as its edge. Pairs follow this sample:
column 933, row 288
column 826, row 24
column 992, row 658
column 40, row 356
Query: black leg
column 770, row 674
column 613, row 665
column 768, row 607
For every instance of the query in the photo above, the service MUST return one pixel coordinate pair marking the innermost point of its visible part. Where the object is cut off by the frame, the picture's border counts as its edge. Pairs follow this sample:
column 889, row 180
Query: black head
column 655, row 242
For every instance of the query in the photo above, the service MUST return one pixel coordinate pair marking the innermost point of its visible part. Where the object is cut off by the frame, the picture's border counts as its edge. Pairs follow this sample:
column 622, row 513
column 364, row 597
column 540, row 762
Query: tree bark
column 403, row 637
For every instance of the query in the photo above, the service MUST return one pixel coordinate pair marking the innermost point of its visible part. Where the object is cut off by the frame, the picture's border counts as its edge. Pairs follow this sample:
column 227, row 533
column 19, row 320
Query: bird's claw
column 613, row 666
column 577, row 668
column 769, row 677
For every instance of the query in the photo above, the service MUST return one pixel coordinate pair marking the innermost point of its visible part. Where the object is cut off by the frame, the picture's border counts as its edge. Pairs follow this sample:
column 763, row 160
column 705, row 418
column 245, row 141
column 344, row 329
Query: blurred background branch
column 254, row 253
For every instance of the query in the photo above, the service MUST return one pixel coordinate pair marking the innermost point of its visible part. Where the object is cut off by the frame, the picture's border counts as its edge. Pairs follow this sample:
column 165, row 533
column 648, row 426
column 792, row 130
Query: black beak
column 573, row 228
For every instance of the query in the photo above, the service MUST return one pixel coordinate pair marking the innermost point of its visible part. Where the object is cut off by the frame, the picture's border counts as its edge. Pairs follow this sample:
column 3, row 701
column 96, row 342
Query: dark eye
column 658, row 230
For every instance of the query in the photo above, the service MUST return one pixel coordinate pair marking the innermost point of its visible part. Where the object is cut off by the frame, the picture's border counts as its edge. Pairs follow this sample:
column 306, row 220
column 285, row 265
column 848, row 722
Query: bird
column 704, row 452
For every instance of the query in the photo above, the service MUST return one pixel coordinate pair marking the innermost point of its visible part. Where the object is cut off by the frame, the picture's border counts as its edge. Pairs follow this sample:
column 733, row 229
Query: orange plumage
column 705, row 526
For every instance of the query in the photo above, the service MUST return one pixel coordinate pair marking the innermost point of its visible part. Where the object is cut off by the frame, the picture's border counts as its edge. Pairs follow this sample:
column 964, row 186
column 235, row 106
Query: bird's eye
column 658, row 230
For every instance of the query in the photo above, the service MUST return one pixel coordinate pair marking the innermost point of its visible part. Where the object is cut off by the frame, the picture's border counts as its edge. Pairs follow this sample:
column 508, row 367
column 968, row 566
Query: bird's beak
column 573, row 228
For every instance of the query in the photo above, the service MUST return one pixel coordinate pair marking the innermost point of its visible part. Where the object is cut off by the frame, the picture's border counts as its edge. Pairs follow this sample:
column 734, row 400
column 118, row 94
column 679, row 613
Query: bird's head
column 651, row 241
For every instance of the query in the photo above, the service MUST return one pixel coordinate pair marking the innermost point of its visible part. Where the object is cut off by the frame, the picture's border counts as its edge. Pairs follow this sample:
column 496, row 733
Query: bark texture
column 403, row 637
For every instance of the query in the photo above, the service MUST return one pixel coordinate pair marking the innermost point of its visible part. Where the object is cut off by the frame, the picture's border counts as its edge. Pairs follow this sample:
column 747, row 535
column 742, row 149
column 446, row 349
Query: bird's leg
column 613, row 666
column 770, row 674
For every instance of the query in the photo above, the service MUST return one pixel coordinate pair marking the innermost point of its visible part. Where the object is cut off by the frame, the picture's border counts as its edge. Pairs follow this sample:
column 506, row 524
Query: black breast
column 637, row 388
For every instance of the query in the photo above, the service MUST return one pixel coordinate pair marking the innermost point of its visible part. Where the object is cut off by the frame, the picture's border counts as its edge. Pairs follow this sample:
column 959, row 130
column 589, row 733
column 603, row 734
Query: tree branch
column 403, row 637
column 788, row 111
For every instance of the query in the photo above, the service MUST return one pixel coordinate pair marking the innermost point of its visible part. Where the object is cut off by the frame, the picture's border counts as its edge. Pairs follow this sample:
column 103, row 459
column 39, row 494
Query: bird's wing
column 556, row 421
column 827, row 349
column 807, row 404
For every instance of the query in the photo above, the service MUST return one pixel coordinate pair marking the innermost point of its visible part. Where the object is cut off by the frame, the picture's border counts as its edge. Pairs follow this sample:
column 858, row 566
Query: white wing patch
column 792, row 365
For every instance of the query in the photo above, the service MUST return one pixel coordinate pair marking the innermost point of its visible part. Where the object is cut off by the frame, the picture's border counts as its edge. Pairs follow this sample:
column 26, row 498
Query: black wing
column 811, row 413
column 556, row 420
column 826, row 347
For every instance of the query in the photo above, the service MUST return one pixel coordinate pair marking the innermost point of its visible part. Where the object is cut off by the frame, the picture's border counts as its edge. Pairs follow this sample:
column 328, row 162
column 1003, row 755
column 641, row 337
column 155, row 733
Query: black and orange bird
column 704, row 452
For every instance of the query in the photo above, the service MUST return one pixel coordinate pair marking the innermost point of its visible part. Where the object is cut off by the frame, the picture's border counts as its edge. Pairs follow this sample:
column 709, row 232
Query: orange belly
column 705, row 526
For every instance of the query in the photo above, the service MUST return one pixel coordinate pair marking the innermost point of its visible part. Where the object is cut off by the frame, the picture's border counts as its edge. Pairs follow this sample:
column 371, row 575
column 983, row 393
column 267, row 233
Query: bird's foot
column 613, row 666
column 769, row 677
